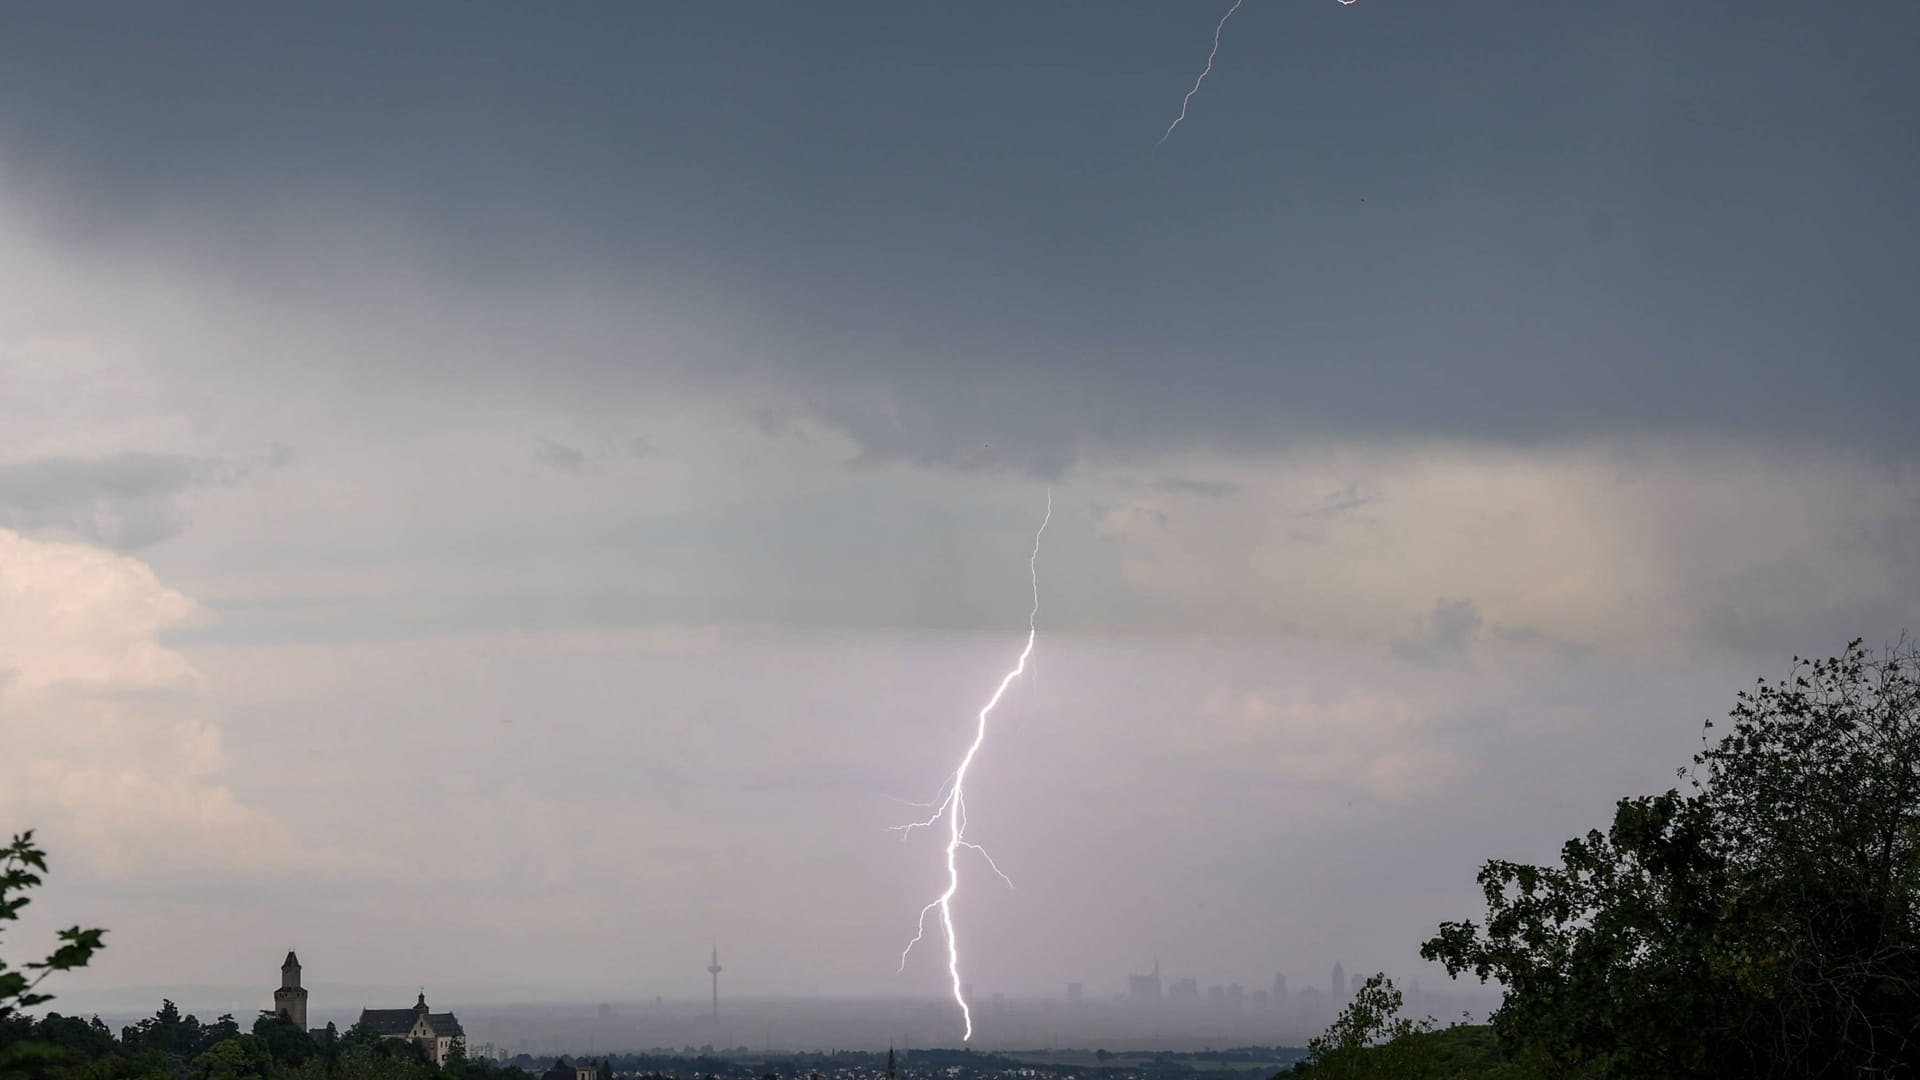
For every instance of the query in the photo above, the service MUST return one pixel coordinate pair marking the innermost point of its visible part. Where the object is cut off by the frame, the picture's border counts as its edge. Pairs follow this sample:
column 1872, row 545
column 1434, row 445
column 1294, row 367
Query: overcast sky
column 502, row 496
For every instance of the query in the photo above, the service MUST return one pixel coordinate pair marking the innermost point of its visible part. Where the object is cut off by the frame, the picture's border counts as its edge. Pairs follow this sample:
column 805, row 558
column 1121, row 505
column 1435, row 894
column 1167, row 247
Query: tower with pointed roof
column 290, row 1000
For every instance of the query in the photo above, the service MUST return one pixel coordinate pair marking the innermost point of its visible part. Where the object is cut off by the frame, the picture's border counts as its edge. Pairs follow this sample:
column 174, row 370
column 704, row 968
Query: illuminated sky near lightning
column 641, row 414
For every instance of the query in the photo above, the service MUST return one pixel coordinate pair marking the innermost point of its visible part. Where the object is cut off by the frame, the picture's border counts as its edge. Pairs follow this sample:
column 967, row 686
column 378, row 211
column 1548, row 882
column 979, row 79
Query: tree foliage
column 1370, row 1039
column 1761, row 924
column 21, row 864
column 24, row 1045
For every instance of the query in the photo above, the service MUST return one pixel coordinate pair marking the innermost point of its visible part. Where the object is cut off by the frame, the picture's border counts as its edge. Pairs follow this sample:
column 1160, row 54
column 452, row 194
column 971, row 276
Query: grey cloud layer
column 124, row 501
column 1382, row 226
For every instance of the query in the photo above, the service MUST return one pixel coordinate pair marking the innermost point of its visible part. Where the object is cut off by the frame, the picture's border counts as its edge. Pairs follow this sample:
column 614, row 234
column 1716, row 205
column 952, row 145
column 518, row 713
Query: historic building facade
column 439, row 1034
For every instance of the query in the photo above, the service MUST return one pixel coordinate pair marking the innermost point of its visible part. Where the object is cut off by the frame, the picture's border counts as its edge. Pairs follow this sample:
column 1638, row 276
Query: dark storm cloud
column 125, row 501
column 1341, row 501
column 1212, row 489
column 1478, row 221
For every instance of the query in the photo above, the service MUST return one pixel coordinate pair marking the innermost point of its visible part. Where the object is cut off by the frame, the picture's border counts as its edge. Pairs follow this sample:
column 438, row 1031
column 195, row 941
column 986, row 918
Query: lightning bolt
column 1222, row 25
column 1208, row 70
column 951, row 804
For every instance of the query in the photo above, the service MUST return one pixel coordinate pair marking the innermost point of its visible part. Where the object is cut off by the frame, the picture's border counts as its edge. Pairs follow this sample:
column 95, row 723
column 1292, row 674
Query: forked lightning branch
column 951, row 804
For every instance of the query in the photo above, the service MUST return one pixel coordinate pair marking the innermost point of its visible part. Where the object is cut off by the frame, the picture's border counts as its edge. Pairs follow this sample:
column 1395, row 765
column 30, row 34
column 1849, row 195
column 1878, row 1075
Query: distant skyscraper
column 713, row 969
column 1075, row 992
column 1145, row 987
column 1339, row 980
column 1279, row 988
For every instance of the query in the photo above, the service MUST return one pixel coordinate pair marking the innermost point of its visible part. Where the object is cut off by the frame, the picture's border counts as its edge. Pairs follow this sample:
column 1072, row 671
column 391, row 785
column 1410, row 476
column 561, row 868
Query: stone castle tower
column 290, row 1000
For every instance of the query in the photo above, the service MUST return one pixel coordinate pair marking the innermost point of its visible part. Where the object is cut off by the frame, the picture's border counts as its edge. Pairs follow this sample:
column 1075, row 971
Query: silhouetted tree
column 1369, row 1039
column 287, row 1042
column 1766, row 924
column 242, row 1057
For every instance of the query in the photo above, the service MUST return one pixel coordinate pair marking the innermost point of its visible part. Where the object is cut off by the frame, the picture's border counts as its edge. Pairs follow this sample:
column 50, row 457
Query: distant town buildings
column 585, row 1070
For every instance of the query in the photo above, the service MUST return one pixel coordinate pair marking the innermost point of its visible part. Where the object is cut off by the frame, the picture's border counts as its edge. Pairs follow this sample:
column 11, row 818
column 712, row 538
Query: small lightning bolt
column 1208, row 70
column 1222, row 25
column 952, row 801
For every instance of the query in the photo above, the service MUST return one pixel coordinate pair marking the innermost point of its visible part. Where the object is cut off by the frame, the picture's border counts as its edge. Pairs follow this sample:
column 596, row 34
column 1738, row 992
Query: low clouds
column 1636, row 548
column 1348, row 498
column 1212, row 489
column 1014, row 436
column 1444, row 635
column 1113, row 523
column 560, row 456
column 1356, row 740
column 123, row 501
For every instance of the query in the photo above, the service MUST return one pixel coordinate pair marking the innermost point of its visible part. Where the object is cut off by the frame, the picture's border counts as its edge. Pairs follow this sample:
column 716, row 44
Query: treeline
column 1764, row 921
column 170, row 1046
